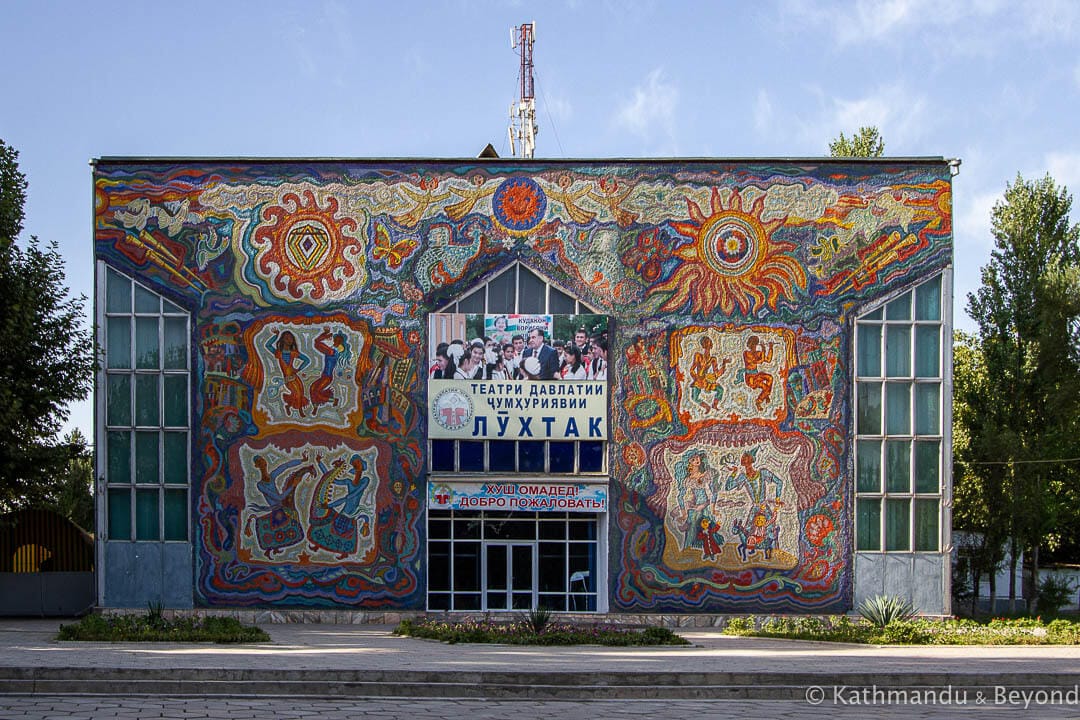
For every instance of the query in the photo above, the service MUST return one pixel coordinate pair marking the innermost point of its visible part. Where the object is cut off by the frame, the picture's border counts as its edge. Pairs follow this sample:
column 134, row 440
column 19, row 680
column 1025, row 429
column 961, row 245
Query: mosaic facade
column 731, row 289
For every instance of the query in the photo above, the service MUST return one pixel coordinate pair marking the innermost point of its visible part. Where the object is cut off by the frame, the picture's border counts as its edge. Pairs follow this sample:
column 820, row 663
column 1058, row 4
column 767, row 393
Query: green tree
column 74, row 498
column 46, row 354
column 1026, row 310
column 866, row 143
column 980, row 496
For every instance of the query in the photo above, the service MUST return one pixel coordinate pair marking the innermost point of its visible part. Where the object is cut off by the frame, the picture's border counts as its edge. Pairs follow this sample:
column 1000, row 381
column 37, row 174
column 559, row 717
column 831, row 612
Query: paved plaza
column 339, row 671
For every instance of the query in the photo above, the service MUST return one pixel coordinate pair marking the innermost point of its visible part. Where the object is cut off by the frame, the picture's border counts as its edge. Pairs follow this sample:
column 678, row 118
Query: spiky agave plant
column 881, row 610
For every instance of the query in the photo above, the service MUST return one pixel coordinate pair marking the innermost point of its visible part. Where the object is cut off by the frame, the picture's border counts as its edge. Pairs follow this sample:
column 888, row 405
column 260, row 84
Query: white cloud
column 897, row 112
column 650, row 112
column 872, row 21
column 1065, row 169
column 1050, row 18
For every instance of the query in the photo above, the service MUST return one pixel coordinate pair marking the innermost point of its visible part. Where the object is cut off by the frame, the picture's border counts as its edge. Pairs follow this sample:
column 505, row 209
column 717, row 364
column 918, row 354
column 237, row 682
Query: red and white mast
column 523, row 127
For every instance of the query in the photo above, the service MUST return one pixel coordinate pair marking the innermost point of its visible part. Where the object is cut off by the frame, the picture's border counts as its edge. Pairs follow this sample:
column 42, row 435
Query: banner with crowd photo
column 518, row 377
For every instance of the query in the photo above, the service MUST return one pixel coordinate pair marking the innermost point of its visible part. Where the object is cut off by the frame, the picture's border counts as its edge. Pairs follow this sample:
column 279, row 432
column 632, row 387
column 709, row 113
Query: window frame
column 167, row 483
column 886, row 438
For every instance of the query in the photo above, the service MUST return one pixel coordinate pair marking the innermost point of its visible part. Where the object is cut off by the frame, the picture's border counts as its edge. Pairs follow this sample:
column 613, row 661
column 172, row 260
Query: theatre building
column 670, row 386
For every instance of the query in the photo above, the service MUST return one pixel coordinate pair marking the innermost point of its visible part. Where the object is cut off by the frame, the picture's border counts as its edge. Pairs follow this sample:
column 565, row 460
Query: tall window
column 898, row 423
column 147, row 340
column 517, row 290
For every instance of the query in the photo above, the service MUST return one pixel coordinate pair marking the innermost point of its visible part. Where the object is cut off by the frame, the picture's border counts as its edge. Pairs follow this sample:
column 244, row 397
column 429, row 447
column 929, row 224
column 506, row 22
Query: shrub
column 881, row 610
column 740, row 626
column 538, row 619
column 155, row 627
column 521, row 633
column 1054, row 594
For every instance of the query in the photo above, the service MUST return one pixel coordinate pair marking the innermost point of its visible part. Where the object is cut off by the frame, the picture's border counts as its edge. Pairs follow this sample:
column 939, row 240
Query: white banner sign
column 517, row 410
column 526, row 496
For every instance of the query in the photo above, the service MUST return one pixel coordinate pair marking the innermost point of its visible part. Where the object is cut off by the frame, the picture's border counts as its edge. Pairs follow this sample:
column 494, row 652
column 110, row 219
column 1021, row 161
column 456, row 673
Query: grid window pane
column 501, row 292
column 119, row 461
column 875, row 316
column 502, row 456
column 869, row 351
column 927, row 409
column 899, row 309
column 147, row 400
column 591, row 456
column 171, row 309
column 146, row 457
column 868, row 521
column 927, row 351
column 898, row 351
column 119, row 514
column 532, row 292
column 118, row 400
column 176, row 343
column 869, row 419
column 176, row 400
column 926, row 524
column 146, row 301
column 531, row 456
column 442, row 455
column 472, row 303
column 897, row 524
column 117, row 293
column 146, row 515
column 471, row 455
column 561, row 457
column 147, row 347
column 175, row 515
column 898, row 408
column 176, row 458
column 559, row 303
column 928, row 300
column 868, row 475
column 118, row 332
column 927, row 474
column 898, row 466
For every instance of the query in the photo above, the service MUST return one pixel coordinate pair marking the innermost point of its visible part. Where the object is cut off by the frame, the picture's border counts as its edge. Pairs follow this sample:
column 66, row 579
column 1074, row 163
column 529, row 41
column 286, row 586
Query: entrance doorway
column 510, row 576
column 486, row 560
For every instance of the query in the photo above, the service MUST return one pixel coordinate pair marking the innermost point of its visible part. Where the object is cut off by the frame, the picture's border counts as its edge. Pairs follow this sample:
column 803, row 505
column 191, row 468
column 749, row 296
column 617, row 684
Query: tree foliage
column 47, row 357
column 866, row 143
column 1019, row 415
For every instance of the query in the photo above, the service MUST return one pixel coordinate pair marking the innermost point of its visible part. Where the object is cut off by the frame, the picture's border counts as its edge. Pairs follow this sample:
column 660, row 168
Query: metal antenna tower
column 523, row 127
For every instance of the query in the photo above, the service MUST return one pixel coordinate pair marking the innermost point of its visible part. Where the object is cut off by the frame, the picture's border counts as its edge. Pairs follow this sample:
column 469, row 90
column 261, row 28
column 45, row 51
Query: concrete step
column 503, row 685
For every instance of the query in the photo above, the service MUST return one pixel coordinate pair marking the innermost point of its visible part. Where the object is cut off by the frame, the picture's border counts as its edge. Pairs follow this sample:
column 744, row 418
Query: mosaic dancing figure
column 288, row 354
column 754, row 356
column 279, row 525
column 705, row 375
column 335, row 523
column 335, row 351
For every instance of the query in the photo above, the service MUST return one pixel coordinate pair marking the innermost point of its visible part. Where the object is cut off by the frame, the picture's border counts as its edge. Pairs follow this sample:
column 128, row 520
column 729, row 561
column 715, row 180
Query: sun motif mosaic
column 304, row 251
column 733, row 262
column 519, row 205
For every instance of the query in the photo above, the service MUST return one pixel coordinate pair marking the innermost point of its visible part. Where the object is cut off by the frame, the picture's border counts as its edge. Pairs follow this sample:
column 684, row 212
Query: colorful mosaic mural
column 730, row 287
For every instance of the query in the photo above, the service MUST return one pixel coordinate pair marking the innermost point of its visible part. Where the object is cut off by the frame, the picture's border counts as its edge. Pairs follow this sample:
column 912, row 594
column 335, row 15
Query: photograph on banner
column 498, row 347
column 482, row 370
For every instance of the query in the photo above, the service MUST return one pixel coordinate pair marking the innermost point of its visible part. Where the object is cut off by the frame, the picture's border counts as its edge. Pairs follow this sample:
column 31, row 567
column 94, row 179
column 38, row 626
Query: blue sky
column 993, row 83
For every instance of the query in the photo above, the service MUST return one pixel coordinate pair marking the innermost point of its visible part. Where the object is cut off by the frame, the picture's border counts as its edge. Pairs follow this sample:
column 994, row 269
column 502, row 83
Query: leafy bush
column 913, row 631
column 881, row 610
column 522, row 633
column 155, row 627
column 740, row 626
column 1055, row 594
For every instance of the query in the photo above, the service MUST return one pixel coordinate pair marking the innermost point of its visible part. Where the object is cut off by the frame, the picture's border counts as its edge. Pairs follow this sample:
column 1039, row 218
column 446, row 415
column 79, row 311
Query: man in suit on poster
column 544, row 353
